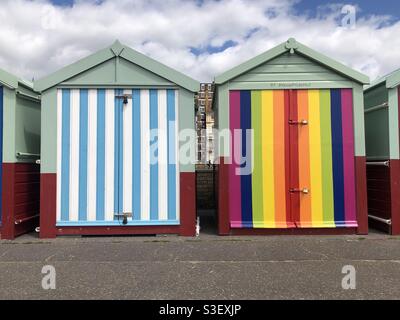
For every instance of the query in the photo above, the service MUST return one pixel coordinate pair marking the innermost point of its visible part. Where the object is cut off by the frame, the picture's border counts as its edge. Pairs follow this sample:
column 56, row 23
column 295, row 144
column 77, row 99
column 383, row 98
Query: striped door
column 302, row 157
column 116, row 158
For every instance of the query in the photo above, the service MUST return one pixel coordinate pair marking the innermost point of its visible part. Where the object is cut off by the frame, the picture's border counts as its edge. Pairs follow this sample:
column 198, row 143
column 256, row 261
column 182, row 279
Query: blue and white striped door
column 116, row 158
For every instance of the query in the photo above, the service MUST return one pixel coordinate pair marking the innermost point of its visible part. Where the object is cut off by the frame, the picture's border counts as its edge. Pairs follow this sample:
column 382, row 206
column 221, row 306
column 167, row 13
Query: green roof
column 392, row 80
column 11, row 81
column 292, row 46
column 117, row 50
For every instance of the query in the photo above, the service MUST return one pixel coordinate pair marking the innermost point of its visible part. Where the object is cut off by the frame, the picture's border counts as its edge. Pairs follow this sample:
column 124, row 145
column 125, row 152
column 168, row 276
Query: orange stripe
column 279, row 159
column 304, row 160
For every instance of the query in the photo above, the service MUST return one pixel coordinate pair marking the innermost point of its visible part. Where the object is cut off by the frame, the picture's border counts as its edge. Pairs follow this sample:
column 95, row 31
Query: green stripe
column 257, row 185
column 326, row 158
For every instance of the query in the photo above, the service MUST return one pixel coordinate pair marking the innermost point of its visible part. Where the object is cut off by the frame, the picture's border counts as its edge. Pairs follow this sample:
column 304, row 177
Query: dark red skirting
column 187, row 227
column 20, row 199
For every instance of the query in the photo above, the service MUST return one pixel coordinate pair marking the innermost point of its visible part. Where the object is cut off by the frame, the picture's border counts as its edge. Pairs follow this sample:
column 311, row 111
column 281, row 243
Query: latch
column 303, row 191
column 301, row 122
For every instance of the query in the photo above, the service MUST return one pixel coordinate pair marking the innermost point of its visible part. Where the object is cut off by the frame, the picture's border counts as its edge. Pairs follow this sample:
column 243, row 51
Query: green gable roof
column 117, row 50
column 392, row 80
column 11, row 81
column 292, row 46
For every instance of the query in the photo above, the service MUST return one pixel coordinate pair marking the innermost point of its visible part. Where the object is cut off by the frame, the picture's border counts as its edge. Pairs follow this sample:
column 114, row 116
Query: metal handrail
column 28, row 155
column 378, row 107
column 379, row 163
column 385, row 221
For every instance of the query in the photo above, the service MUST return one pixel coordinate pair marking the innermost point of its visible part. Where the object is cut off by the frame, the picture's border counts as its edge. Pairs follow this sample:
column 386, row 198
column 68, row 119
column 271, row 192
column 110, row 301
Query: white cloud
column 37, row 38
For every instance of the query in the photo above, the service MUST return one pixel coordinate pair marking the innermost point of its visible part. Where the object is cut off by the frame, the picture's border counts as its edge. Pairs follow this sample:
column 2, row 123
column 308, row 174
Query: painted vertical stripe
column 315, row 158
column 279, row 159
column 304, row 160
column 59, row 151
column 171, row 155
column 136, row 156
column 92, row 156
column 1, row 149
column 257, row 176
column 127, row 122
column 348, row 158
column 293, row 162
column 286, row 113
column 326, row 159
column 65, row 156
column 154, row 153
column 268, row 175
column 118, row 153
column 235, row 198
column 162, row 156
column 110, row 179
column 245, row 124
column 177, row 148
column 83, row 154
column 145, row 153
column 337, row 156
column 74, row 157
column 101, row 123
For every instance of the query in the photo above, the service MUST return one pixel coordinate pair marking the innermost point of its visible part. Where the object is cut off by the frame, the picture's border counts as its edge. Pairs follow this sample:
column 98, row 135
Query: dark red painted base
column 20, row 199
column 361, row 195
column 223, row 208
column 187, row 227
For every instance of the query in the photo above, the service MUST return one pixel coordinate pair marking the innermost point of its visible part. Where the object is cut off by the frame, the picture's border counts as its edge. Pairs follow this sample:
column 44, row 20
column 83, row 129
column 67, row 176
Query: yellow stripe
column 267, row 114
column 315, row 158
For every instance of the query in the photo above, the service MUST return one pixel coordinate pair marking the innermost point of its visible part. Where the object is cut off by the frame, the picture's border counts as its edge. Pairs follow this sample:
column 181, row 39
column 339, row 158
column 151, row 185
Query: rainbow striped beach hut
column 292, row 150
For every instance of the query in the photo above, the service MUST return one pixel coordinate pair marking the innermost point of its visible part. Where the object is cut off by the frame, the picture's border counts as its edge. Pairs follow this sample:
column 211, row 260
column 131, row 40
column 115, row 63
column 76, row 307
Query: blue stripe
column 337, row 155
column 153, row 153
column 65, row 153
column 100, row 169
column 1, row 150
column 136, row 154
column 83, row 154
column 118, row 153
column 245, row 124
column 171, row 125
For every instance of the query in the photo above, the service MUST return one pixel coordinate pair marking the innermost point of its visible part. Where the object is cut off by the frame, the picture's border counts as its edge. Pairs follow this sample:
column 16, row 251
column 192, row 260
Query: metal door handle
column 303, row 191
column 301, row 122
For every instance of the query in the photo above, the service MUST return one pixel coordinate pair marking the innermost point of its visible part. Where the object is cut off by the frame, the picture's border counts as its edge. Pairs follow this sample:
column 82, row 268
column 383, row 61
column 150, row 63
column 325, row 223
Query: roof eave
column 117, row 49
column 292, row 46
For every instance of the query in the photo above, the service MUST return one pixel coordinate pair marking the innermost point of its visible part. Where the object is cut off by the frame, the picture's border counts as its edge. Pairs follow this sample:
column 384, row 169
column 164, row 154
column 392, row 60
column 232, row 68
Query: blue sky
column 201, row 38
column 368, row 7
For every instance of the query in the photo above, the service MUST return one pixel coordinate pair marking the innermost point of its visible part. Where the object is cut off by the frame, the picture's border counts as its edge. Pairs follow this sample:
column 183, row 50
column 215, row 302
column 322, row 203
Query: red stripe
column 294, row 158
column 289, row 219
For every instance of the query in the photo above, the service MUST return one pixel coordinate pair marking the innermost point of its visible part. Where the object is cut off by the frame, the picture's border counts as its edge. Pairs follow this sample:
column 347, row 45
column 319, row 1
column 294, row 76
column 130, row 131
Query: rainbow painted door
column 292, row 159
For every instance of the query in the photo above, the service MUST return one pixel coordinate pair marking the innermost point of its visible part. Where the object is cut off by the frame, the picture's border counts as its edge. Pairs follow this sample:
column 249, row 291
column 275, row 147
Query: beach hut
column 19, row 150
column 111, row 160
column 292, row 150
column 382, row 101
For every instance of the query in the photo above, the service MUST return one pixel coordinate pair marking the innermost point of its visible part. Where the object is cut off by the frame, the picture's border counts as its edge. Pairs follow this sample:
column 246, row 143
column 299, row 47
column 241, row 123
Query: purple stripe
column 348, row 158
column 235, row 206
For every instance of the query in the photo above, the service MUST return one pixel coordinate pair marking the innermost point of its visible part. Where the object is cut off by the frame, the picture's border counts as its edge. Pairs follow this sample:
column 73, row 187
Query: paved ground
column 207, row 267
